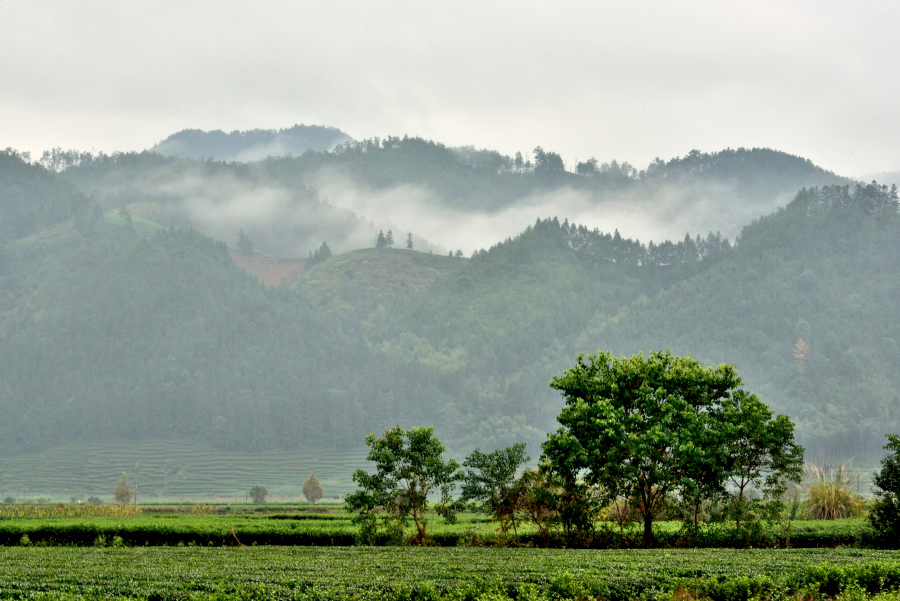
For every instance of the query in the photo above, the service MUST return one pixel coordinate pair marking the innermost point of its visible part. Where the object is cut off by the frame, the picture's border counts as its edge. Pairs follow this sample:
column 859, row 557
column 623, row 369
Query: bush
column 829, row 495
column 9, row 500
column 258, row 494
column 95, row 500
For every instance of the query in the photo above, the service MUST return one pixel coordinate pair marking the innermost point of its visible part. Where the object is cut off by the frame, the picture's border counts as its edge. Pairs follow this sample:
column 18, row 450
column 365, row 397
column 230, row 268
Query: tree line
column 635, row 434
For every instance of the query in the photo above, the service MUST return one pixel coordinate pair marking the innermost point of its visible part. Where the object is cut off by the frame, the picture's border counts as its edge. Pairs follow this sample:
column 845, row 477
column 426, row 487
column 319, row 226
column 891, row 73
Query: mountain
column 252, row 145
column 110, row 331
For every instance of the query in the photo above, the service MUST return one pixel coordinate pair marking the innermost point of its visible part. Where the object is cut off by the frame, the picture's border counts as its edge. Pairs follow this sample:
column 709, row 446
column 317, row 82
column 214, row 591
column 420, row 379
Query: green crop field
column 86, row 525
column 174, row 471
column 433, row 573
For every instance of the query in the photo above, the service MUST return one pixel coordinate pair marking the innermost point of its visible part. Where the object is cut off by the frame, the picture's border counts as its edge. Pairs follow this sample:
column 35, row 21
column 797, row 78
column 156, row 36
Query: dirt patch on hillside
column 270, row 272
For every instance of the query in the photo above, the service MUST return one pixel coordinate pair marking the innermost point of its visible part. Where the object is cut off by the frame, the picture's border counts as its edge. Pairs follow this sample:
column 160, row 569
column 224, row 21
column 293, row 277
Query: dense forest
column 111, row 331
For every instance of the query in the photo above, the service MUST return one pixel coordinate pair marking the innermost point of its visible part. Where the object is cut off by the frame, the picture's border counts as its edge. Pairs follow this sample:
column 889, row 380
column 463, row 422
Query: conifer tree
column 409, row 242
column 389, row 240
column 381, row 241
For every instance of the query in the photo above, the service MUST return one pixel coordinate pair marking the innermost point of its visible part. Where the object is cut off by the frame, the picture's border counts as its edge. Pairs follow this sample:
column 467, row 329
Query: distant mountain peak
column 250, row 145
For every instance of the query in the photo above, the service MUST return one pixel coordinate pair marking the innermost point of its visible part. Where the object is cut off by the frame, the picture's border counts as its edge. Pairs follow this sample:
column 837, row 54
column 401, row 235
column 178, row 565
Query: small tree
column 258, row 494
column 885, row 513
column 491, row 480
column 408, row 467
column 380, row 241
column 759, row 450
column 409, row 242
column 123, row 491
column 312, row 490
column 389, row 239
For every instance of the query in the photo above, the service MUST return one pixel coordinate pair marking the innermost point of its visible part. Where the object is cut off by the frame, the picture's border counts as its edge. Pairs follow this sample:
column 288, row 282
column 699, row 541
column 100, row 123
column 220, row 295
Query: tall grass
column 829, row 492
column 66, row 510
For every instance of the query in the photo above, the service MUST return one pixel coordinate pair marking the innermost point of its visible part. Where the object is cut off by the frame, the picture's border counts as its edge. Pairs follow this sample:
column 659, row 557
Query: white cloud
column 616, row 80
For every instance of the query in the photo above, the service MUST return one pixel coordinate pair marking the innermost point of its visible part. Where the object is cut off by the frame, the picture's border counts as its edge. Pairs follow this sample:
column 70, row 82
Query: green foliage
column 760, row 452
column 640, row 428
column 491, row 481
column 408, row 467
column 258, row 494
column 885, row 512
column 644, row 429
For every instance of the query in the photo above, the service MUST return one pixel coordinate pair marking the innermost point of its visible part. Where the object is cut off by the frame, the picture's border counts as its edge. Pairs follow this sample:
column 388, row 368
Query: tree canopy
column 408, row 468
column 644, row 428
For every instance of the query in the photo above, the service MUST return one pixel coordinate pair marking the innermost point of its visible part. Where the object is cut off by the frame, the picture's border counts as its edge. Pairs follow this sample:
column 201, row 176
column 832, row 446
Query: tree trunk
column 648, row 529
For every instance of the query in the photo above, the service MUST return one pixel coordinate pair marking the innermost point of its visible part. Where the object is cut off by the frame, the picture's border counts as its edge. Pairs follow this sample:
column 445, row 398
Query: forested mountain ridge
column 289, row 205
column 108, row 333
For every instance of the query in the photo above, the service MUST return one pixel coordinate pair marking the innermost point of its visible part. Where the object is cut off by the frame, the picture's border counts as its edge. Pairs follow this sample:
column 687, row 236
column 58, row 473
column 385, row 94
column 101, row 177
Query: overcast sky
column 625, row 80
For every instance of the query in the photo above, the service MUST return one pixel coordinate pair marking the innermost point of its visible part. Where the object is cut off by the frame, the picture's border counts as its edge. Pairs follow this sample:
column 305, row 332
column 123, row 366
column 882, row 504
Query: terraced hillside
column 173, row 471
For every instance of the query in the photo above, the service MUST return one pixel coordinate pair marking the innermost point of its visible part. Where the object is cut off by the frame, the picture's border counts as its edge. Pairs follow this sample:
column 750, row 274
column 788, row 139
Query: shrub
column 9, row 500
column 312, row 489
column 829, row 495
column 123, row 492
column 258, row 494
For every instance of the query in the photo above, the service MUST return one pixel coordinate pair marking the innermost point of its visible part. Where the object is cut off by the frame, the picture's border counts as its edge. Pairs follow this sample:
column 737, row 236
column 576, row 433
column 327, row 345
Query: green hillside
column 353, row 285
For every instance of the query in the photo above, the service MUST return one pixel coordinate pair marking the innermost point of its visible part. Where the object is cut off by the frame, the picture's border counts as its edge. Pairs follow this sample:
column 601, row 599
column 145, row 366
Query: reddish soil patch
column 270, row 272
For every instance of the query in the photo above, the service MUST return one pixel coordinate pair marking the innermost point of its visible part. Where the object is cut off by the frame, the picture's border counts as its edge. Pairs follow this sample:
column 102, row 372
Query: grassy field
column 206, row 474
column 433, row 573
column 141, row 226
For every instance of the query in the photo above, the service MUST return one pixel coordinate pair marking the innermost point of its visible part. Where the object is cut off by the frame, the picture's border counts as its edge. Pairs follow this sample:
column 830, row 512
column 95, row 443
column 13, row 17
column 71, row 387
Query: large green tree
column 408, row 467
column 639, row 427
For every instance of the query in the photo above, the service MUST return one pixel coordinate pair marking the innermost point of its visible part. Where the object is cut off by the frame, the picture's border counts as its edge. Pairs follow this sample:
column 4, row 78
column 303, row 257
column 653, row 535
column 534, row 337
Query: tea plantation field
column 435, row 573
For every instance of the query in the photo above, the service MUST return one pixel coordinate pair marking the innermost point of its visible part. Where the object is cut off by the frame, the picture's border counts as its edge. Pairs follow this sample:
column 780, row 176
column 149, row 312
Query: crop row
column 433, row 573
column 338, row 530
